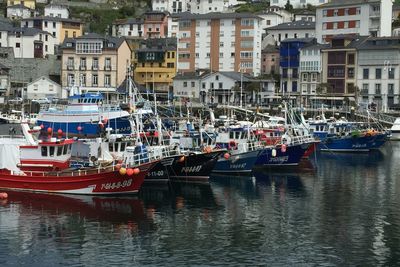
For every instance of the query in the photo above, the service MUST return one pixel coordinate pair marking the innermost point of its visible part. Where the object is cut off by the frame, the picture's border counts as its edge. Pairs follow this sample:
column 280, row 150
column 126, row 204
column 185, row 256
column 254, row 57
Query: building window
column 95, row 63
column 184, row 84
column 66, row 34
column 82, row 64
column 378, row 73
column 107, row 80
column 391, row 73
column 170, row 65
column 350, row 59
column 366, row 74
column 54, row 25
column 83, row 79
column 193, row 84
column 95, row 80
column 350, row 73
column 390, row 89
column 377, row 88
column 335, row 13
column 17, row 45
column 70, row 79
column 107, row 63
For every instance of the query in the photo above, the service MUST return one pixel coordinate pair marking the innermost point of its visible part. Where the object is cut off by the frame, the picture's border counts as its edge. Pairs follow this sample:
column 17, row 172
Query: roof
column 355, row 41
column 237, row 76
column 6, row 26
column 128, row 21
column 44, row 77
column 49, row 18
column 315, row 46
column 261, row 13
column 294, row 25
column 300, row 40
column 271, row 49
column 214, row 15
column 25, row 31
column 381, row 43
column 117, row 41
column 334, row 3
column 19, row 6
column 304, row 12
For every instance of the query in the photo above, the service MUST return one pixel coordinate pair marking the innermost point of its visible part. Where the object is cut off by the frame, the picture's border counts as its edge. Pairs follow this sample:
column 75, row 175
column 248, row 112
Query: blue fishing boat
column 283, row 155
column 84, row 115
column 343, row 136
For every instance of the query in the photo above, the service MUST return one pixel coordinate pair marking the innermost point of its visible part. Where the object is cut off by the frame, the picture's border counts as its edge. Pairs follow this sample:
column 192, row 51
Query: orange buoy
column 227, row 155
column 129, row 172
column 49, row 130
column 3, row 195
column 181, row 159
column 136, row 171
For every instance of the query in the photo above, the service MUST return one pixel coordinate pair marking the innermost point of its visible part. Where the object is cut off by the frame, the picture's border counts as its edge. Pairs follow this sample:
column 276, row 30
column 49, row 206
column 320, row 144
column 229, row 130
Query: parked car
column 17, row 100
column 41, row 101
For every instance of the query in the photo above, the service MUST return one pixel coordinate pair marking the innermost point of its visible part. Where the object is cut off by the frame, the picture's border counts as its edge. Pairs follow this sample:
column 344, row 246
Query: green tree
column 288, row 6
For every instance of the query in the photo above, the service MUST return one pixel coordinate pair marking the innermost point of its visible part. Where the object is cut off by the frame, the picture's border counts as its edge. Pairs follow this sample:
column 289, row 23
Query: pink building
column 155, row 24
column 270, row 60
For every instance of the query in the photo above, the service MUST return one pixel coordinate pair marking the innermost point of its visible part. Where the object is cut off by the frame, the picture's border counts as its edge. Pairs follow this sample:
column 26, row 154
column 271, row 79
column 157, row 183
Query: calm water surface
column 335, row 210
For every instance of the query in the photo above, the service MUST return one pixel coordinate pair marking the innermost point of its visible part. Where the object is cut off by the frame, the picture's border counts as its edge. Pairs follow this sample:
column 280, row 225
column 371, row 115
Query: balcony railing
column 364, row 92
column 95, row 67
column 107, row 67
column 70, row 67
column 82, row 67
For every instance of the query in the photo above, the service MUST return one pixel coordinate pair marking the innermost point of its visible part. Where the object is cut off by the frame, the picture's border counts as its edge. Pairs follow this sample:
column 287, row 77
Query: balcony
column 70, row 67
column 378, row 92
column 107, row 68
column 364, row 92
column 95, row 67
column 82, row 67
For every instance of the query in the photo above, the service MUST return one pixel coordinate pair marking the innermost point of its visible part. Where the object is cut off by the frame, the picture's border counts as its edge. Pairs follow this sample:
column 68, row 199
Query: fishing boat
column 395, row 130
column 243, row 151
column 85, row 115
column 45, row 172
column 343, row 136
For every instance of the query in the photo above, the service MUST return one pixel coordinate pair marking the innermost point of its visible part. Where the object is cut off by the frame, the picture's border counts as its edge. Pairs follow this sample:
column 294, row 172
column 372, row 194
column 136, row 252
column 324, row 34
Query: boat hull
column 192, row 167
column 120, row 125
column 290, row 156
column 108, row 181
column 353, row 143
column 239, row 163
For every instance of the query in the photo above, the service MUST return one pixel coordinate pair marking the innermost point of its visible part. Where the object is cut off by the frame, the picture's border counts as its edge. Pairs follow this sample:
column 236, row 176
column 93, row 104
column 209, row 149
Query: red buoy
column 79, row 128
column 136, row 171
column 49, row 130
column 227, row 155
column 3, row 195
column 59, row 131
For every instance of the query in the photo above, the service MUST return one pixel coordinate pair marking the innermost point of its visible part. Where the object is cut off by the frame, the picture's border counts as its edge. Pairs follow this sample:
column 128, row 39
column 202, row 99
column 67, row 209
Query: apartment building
column 220, row 42
column 20, row 11
column 379, row 71
column 155, row 24
column 60, row 28
column 94, row 62
column 290, row 62
column 131, row 27
column 310, row 71
column 27, row 42
column 155, row 65
column 356, row 17
column 339, row 71
column 171, row 6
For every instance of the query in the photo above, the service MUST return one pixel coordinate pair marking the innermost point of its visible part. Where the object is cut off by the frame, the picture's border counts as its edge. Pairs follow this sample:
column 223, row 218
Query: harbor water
column 333, row 210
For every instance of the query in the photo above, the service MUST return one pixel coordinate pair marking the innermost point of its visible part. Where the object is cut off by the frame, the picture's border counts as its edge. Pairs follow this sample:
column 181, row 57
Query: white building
column 20, row 12
column 356, row 17
column 171, row 6
column 305, row 15
column 379, row 71
column 55, row 10
column 269, row 19
column 222, row 87
column 130, row 27
column 298, row 3
column 43, row 87
column 27, row 42
column 310, row 69
column 286, row 15
column 219, row 41
column 295, row 29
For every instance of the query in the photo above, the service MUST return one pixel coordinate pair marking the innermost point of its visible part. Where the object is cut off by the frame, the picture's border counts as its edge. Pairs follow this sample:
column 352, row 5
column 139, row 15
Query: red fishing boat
column 43, row 167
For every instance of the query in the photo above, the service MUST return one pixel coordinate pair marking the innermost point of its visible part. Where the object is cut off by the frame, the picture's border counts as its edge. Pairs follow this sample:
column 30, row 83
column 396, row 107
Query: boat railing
column 13, row 136
column 297, row 140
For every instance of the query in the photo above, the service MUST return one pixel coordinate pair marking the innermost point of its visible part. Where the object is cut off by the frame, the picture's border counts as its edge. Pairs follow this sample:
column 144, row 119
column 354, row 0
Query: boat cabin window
column 122, row 148
column 232, row 135
column 65, row 148
column 44, row 151
column 111, row 147
column 59, row 150
column 52, row 151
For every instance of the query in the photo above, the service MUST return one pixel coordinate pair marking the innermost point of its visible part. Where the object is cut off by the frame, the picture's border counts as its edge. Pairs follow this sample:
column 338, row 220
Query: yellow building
column 60, row 28
column 155, row 66
column 95, row 63
column 28, row 3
